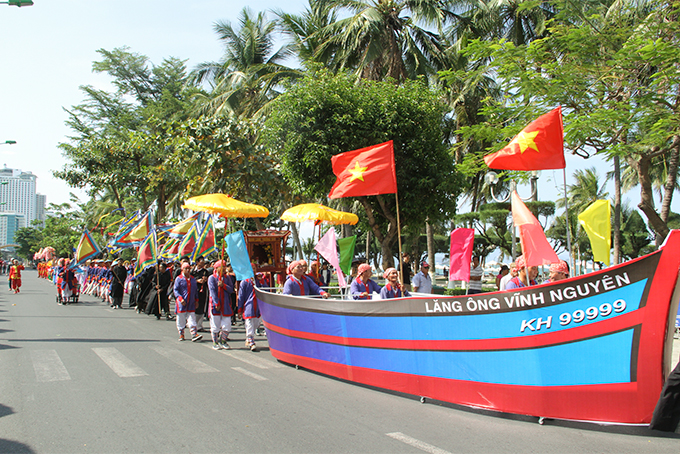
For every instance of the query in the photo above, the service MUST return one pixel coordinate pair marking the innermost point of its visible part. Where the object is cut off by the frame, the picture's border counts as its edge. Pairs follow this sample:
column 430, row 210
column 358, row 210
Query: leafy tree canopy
column 324, row 115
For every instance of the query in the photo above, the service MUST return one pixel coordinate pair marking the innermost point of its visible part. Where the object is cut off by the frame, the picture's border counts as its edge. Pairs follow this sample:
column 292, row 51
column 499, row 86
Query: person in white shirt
column 421, row 282
column 476, row 274
column 509, row 276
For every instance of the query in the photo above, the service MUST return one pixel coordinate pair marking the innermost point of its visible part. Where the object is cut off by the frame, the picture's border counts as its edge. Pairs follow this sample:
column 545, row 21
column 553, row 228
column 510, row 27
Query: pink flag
column 328, row 249
column 460, row 254
column 535, row 247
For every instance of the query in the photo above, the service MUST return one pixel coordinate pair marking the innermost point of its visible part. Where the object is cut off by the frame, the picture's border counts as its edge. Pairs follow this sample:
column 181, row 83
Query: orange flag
column 539, row 146
column 367, row 171
column 535, row 247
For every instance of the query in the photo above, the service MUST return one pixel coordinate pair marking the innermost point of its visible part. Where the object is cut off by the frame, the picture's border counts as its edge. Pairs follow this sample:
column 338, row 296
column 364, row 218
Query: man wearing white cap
column 421, row 282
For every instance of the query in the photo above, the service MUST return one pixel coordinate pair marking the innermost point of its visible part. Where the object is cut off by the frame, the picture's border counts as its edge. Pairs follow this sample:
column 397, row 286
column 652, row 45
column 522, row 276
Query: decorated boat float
column 594, row 348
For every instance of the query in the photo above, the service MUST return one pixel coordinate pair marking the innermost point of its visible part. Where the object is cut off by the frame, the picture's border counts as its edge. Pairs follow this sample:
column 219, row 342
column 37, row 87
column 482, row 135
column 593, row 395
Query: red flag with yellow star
column 539, row 146
column 366, row 171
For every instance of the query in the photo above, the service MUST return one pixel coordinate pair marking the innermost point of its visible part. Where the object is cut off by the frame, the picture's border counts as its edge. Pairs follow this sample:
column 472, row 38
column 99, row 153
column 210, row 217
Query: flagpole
column 566, row 206
column 158, row 290
column 401, row 259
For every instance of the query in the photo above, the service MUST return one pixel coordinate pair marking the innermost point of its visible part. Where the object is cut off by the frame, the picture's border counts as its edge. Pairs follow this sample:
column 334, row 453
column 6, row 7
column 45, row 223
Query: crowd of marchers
column 210, row 292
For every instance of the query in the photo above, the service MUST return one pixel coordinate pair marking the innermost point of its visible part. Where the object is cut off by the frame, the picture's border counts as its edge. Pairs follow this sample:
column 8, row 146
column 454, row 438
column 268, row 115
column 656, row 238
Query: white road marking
column 417, row 443
column 48, row 367
column 182, row 359
column 119, row 363
column 248, row 358
column 249, row 373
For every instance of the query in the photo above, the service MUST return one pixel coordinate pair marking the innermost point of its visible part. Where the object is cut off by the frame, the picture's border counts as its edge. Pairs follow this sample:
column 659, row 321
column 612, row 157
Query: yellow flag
column 596, row 221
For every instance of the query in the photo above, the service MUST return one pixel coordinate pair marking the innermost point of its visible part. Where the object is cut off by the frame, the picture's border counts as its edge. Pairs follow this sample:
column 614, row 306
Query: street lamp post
column 18, row 3
column 491, row 179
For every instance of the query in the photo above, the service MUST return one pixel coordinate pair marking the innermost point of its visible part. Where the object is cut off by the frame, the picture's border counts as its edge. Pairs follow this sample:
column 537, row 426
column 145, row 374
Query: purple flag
column 329, row 250
column 460, row 254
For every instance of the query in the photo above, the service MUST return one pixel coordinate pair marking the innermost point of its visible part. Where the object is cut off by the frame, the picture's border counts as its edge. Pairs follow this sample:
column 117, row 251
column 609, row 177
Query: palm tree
column 585, row 191
column 308, row 31
column 385, row 38
column 508, row 19
column 245, row 79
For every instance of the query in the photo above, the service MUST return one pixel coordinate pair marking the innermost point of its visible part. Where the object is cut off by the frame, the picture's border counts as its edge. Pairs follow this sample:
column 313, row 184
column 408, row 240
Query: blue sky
column 47, row 53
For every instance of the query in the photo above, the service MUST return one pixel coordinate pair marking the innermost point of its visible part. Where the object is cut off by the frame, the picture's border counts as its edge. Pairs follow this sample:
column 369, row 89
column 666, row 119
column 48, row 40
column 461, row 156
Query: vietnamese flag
column 539, row 146
column 366, row 171
column 535, row 247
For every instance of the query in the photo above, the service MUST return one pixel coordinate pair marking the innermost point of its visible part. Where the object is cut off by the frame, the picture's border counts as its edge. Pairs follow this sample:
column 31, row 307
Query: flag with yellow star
column 539, row 146
column 366, row 171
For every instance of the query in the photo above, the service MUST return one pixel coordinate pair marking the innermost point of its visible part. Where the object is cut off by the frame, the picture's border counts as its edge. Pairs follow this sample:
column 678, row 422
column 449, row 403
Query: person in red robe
column 15, row 275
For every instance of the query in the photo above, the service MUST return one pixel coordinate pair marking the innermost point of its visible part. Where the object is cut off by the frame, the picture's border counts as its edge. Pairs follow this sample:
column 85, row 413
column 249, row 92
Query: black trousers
column 667, row 412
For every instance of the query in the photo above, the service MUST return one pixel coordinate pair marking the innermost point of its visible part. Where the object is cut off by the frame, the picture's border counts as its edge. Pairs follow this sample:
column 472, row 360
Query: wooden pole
column 401, row 259
column 566, row 209
column 158, row 290
column 224, row 239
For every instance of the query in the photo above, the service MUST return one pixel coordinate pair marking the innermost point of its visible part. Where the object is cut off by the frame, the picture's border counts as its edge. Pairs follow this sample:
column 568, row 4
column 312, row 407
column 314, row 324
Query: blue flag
column 238, row 254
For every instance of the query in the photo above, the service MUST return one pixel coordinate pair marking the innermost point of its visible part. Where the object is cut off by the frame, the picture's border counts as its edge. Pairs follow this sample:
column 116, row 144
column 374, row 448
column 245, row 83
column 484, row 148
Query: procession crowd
column 209, row 290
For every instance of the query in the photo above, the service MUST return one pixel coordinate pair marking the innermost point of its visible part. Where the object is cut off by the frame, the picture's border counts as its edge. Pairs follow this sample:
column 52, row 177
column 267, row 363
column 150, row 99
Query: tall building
column 40, row 203
column 17, row 195
column 9, row 224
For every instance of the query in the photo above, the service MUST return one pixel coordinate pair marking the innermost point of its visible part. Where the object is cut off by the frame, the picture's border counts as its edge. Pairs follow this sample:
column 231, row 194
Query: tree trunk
column 296, row 240
column 671, row 179
column 368, row 246
column 116, row 195
column 347, row 230
column 385, row 240
column 647, row 198
column 160, row 210
column 617, row 210
column 430, row 249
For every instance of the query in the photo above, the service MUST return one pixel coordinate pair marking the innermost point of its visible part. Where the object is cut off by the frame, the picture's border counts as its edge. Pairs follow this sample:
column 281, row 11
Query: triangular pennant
column 147, row 253
column 86, row 250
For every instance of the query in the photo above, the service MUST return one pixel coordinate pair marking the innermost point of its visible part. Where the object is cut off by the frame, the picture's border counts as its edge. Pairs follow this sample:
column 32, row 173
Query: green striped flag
column 205, row 244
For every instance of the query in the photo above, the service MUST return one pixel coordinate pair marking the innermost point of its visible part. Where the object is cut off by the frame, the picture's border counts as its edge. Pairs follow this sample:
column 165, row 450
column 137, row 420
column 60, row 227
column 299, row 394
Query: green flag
column 346, row 248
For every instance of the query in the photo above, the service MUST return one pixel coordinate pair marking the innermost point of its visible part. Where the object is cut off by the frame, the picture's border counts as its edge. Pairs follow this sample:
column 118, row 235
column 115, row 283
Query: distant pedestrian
column 422, row 283
column 501, row 274
column 505, row 279
column 118, row 276
column 407, row 271
column 15, row 276
column 476, row 274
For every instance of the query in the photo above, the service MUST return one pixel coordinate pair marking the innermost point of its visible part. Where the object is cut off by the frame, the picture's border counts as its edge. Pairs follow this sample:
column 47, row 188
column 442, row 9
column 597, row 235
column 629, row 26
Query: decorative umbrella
column 225, row 206
column 318, row 213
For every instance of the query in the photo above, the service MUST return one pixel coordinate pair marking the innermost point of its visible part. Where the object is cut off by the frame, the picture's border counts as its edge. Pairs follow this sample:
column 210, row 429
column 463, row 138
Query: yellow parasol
column 225, row 206
column 318, row 213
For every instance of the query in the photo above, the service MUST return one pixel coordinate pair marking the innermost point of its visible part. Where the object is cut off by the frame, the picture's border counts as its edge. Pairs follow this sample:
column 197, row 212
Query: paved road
column 87, row 379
